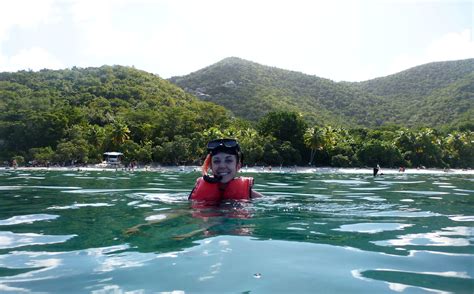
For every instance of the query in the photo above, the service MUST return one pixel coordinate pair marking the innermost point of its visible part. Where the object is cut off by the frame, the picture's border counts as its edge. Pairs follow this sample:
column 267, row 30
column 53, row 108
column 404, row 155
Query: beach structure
column 113, row 159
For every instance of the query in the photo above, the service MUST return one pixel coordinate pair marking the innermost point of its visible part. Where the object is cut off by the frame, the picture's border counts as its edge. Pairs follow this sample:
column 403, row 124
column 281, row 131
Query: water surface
column 118, row 232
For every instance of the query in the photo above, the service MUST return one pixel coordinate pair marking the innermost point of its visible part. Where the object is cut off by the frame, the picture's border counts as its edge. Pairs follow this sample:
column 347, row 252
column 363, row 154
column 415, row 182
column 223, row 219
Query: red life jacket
column 237, row 189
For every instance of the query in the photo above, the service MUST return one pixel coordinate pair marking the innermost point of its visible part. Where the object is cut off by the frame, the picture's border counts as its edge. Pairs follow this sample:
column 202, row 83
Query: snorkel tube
column 204, row 169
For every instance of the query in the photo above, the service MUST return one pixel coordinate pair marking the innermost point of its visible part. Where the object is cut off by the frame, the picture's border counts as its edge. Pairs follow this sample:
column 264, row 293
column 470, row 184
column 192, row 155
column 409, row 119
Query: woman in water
column 224, row 158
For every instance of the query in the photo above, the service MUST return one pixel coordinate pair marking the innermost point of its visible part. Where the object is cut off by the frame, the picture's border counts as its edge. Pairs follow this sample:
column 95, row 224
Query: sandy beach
column 257, row 169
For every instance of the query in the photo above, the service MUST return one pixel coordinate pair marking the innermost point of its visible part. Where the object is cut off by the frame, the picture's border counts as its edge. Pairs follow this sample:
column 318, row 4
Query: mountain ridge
column 385, row 100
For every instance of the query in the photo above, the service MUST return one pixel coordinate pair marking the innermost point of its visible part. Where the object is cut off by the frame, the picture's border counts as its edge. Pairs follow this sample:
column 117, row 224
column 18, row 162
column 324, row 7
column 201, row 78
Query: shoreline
column 259, row 169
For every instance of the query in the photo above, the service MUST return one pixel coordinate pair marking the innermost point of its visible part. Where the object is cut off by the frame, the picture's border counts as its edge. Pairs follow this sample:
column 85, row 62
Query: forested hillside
column 73, row 116
column 77, row 114
column 430, row 95
column 433, row 94
column 251, row 90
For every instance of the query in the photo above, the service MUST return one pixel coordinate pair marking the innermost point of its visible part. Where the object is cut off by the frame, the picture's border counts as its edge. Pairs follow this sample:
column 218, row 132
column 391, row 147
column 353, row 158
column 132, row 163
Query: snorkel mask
column 229, row 146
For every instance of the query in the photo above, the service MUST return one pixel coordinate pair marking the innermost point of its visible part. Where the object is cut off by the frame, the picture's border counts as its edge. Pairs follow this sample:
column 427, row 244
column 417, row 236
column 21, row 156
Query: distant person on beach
column 224, row 158
column 376, row 170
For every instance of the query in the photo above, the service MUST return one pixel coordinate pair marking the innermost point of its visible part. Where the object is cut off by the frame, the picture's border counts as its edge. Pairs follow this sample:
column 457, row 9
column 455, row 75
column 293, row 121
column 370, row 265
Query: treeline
column 73, row 116
column 279, row 138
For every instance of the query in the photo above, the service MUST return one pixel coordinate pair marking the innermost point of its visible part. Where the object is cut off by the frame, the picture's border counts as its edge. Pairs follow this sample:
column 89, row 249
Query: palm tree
column 120, row 132
column 212, row 133
column 95, row 135
column 428, row 147
column 458, row 148
column 317, row 138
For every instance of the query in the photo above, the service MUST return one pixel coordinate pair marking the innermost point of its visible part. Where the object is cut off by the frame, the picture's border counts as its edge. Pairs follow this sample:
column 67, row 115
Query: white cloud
column 451, row 46
column 93, row 20
column 301, row 35
column 101, row 38
column 330, row 39
column 25, row 14
column 34, row 58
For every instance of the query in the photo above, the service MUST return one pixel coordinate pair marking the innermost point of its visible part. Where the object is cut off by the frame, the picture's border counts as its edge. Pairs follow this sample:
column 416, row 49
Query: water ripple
column 347, row 182
column 167, row 198
column 421, row 192
column 372, row 228
column 5, row 188
column 438, row 238
column 79, row 205
column 462, row 218
column 14, row 240
column 27, row 219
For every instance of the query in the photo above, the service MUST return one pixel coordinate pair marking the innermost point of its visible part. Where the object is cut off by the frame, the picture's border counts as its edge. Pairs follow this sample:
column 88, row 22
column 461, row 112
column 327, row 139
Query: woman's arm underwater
column 168, row 216
column 255, row 194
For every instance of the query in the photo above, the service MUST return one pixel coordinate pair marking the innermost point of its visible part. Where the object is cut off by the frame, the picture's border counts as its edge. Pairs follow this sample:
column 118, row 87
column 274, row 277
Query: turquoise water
column 119, row 232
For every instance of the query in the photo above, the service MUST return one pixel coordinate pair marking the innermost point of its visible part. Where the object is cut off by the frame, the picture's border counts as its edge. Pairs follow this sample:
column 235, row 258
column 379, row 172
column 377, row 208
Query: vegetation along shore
column 421, row 117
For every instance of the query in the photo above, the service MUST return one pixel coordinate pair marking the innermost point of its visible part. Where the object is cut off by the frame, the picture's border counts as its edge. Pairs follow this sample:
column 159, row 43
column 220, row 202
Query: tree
column 405, row 140
column 174, row 152
column 376, row 152
column 212, row 134
column 252, row 145
column 72, row 152
column 270, row 154
column 459, row 149
column 340, row 160
column 284, row 126
column 288, row 154
column 428, row 148
column 48, row 128
column 120, row 133
column 144, row 154
column 130, row 150
column 42, row 156
column 319, row 138
column 95, row 136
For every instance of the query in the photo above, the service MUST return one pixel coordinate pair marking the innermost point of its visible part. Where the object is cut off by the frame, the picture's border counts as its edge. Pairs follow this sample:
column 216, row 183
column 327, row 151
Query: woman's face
column 224, row 165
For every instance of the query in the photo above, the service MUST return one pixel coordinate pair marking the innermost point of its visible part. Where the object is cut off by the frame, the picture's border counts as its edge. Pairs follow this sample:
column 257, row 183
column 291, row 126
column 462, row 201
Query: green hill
column 98, row 109
column 73, row 116
column 434, row 94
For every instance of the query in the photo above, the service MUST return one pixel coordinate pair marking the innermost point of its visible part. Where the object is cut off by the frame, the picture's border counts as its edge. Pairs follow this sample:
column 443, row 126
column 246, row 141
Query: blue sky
column 351, row 40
